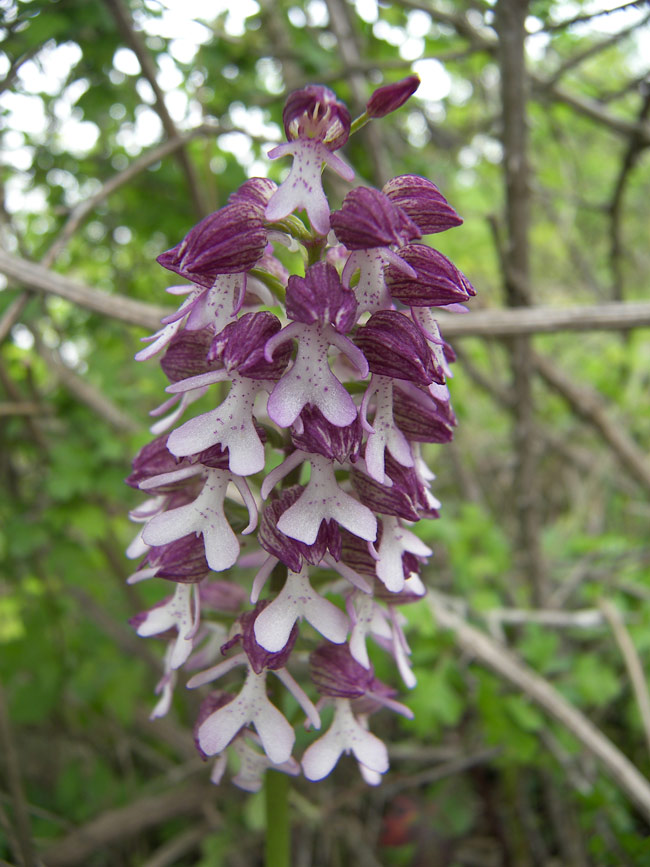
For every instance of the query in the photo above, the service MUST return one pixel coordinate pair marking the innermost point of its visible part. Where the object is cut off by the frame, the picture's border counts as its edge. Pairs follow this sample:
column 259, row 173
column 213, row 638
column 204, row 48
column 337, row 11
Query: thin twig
column 15, row 786
column 586, row 403
column 501, row 660
column 117, row 825
column 133, row 39
column 634, row 149
column 632, row 662
column 143, row 162
column 510, row 23
column 86, row 393
column 546, row 320
column 42, row 279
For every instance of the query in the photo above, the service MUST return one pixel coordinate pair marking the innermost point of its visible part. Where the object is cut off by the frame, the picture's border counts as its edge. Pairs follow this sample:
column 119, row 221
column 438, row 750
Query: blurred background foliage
column 482, row 776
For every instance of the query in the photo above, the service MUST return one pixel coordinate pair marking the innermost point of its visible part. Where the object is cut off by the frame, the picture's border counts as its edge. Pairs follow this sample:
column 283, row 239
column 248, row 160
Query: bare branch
column 12, row 314
column 592, row 50
column 510, row 22
column 632, row 662
column 595, row 110
column 634, row 148
column 23, row 408
column 586, row 403
column 540, row 320
column 86, row 393
column 41, row 279
column 504, row 662
column 115, row 826
column 579, row 19
column 14, row 69
column 15, row 785
column 86, row 207
column 125, row 26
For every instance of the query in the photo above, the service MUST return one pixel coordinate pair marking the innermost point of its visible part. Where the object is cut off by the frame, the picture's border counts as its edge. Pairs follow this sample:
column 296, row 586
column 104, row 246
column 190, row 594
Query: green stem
column 278, row 827
column 359, row 122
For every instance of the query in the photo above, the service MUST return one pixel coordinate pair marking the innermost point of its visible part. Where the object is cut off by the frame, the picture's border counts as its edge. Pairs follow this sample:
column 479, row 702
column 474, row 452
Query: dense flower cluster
column 299, row 480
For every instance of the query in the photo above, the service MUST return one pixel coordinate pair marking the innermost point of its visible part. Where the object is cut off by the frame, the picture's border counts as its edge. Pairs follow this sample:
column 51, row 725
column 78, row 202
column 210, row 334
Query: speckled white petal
column 297, row 599
column 345, row 734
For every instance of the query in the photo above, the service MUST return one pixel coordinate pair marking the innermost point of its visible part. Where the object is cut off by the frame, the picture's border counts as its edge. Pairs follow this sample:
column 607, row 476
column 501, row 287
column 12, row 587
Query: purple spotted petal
column 392, row 96
column 290, row 551
column 369, row 219
column 394, row 346
column 208, row 706
column 438, row 281
column 230, row 241
column 423, row 202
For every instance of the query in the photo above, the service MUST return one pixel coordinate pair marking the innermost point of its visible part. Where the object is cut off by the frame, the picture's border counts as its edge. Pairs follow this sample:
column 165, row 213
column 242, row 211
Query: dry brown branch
column 510, row 23
column 116, row 826
column 632, row 662
column 42, row 279
column 587, row 404
column 540, row 320
column 602, row 45
column 11, row 762
column 14, row 68
column 595, row 111
column 125, row 27
column 23, row 408
column 86, row 393
column 634, row 149
column 342, row 27
column 504, row 662
column 179, row 846
column 579, row 19
column 587, row 618
column 12, row 314
column 139, row 165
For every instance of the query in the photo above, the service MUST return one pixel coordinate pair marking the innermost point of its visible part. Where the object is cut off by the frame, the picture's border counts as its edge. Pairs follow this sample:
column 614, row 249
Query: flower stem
column 278, row 828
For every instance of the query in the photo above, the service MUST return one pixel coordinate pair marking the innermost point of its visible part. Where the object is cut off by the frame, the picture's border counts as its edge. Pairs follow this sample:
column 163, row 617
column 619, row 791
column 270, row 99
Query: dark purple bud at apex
column 438, row 281
column 240, row 347
column 320, row 297
column 394, row 346
column 230, row 241
column 315, row 113
column 421, row 199
column 392, row 96
column 368, row 219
